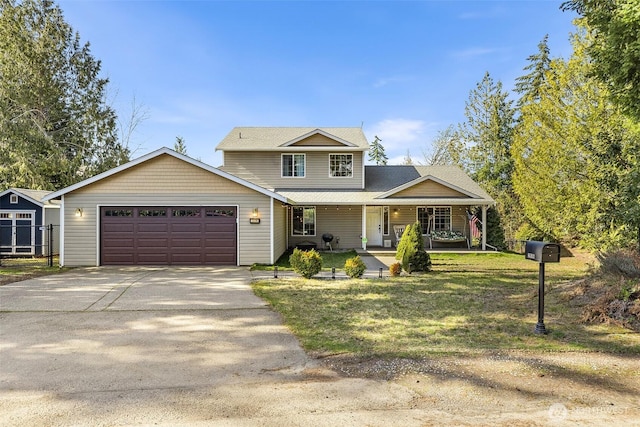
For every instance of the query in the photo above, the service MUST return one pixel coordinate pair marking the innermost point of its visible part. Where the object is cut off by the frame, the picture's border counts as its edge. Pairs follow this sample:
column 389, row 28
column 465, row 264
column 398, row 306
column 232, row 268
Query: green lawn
column 468, row 303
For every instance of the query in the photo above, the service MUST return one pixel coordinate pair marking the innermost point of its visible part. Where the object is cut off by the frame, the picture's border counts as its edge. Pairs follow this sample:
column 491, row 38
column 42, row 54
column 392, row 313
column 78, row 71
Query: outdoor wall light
column 79, row 212
column 255, row 213
column 396, row 211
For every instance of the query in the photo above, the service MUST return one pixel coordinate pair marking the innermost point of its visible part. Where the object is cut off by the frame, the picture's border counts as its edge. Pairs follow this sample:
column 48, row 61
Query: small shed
column 24, row 221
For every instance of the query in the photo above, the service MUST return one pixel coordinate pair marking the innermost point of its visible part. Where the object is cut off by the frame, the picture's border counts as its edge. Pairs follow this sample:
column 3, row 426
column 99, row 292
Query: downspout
column 271, row 232
column 364, row 227
column 62, row 248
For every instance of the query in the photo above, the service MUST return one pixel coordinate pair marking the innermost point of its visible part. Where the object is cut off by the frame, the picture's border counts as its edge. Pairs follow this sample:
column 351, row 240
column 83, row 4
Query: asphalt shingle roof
column 269, row 138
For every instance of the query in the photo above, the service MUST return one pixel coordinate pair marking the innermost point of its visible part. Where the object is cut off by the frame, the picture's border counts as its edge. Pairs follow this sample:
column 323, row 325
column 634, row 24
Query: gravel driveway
column 194, row 346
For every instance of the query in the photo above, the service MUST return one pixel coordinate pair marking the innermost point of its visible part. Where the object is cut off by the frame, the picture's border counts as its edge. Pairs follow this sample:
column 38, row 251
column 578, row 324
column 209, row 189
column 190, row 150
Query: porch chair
column 398, row 230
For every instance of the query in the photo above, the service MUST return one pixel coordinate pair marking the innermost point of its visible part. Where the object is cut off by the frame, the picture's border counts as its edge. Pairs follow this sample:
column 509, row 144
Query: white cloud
column 384, row 81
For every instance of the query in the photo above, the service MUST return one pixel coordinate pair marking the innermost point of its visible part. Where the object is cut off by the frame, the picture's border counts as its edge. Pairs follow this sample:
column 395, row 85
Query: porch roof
column 360, row 197
column 384, row 183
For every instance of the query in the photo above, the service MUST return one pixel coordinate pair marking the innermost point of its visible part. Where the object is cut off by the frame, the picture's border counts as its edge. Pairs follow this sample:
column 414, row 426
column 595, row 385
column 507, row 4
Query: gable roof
column 381, row 182
column 160, row 152
column 34, row 196
column 285, row 138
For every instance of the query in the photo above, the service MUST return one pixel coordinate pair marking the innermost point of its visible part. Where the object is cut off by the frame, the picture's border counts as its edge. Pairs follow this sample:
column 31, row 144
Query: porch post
column 364, row 227
column 484, row 227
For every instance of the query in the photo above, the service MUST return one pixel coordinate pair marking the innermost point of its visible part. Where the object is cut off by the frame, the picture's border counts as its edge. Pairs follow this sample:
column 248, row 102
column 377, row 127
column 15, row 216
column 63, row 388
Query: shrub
column 411, row 250
column 306, row 263
column 354, row 267
column 395, row 269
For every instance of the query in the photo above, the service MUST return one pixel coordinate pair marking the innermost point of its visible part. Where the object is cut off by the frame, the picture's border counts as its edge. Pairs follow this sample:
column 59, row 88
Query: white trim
column 98, row 233
column 62, row 248
column 23, row 195
column 428, row 178
column 271, row 239
column 157, row 153
column 364, row 226
column 317, row 132
column 341, row 154
column 364, row 158
column 304, row 165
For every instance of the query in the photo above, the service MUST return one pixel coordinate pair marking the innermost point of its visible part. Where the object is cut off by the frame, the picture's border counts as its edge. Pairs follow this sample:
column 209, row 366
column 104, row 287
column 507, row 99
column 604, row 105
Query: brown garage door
column 168, row 235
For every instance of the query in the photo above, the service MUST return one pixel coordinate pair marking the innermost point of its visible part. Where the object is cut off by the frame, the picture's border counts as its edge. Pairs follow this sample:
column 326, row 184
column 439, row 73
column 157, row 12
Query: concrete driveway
column 168, row 346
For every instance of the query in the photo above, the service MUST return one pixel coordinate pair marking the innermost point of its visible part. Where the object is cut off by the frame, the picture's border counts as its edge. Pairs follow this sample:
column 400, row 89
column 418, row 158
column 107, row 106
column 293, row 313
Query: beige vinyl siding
column 266, row 168
column 344, row 223
column 318, row 140
column 279, row 230
column 144, row 185
column 429, row 189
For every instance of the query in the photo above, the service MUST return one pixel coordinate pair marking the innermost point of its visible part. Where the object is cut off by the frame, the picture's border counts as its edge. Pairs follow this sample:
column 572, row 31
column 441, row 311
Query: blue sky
column 400, row 69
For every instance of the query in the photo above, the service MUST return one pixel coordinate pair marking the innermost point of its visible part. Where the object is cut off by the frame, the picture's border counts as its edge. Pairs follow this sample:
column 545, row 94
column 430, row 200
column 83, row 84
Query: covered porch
column 378, row 228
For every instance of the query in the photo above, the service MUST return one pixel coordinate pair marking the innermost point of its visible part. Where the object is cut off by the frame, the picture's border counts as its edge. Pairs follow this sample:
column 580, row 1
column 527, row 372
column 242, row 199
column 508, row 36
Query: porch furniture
column 447, row 236
column 398, row 231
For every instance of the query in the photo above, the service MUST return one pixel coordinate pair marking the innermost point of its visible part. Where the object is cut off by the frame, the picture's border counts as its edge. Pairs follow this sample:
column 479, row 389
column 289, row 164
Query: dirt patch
column 514, row 388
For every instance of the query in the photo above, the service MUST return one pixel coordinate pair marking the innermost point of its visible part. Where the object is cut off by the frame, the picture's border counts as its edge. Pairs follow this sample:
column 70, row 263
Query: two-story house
column 277, row 188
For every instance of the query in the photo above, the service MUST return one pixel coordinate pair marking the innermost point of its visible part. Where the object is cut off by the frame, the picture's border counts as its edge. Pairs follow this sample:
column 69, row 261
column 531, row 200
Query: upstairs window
column 341, row 165
column 13, row 199
column 293, row 165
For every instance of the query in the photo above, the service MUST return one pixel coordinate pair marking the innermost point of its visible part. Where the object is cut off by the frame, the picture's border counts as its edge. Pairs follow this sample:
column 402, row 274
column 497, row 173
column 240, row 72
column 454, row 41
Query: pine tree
column 376, row 152
column 528, row 85
column 180, row 145
column 55, row 126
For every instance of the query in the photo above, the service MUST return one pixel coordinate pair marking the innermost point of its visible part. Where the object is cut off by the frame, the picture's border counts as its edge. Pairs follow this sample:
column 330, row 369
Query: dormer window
column 341, row 165
column 293, row 165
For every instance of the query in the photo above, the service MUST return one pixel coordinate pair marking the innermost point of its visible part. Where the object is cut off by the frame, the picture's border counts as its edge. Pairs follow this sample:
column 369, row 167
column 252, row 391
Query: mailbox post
column 542, row 253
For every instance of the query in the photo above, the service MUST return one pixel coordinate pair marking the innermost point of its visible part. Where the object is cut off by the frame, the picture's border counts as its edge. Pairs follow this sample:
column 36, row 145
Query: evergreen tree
column 528, row 85
column 573, row 158
column 488, row 133
column 376, row 152
column 180, row 145
column 55, row 126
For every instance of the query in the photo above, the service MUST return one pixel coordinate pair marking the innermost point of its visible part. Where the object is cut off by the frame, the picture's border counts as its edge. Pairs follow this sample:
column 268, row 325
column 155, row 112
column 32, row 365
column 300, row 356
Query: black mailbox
column 542, row 251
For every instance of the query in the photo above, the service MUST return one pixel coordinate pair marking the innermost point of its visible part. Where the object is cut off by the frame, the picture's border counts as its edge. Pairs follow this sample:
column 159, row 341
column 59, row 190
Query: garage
column 168, row 235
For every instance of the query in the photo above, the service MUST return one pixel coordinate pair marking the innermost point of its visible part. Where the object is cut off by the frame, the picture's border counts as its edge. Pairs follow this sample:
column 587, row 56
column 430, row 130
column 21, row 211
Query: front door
column 374, row 226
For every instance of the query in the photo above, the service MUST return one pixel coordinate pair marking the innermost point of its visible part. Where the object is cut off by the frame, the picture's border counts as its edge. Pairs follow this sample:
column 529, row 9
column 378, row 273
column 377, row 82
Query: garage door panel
column 153, row 227
column 194, row 236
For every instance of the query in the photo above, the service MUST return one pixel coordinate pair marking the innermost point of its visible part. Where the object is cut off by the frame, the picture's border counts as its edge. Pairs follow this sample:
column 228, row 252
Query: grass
column 468, row 303
column 17, row 269
column 329, row 260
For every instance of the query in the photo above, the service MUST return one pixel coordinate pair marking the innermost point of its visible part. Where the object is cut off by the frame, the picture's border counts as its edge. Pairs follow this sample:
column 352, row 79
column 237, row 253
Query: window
column 152, row 212
column 440, row 218
column 118, row 212
column 293, row 165
column 23, row 216
column 221, row 212
column 186, row 212
column 385, row 220
column 303, row 221
column 341, row 165
column 13, row 199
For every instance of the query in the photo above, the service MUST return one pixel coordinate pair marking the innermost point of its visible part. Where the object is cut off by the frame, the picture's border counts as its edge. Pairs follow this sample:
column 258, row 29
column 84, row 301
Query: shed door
column 168, row 235
column 17, row 233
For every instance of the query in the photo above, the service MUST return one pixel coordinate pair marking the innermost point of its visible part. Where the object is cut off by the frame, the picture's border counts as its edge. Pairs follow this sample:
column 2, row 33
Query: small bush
column 354, row 267
column 411, row 250
column 395, row 269
column 306, row 263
